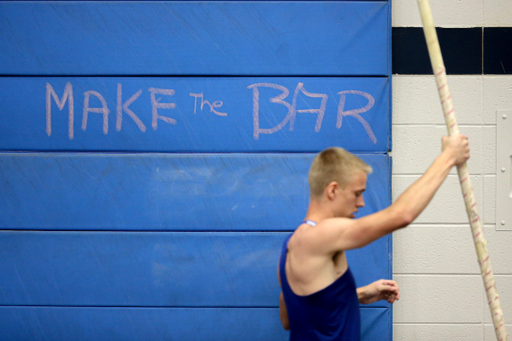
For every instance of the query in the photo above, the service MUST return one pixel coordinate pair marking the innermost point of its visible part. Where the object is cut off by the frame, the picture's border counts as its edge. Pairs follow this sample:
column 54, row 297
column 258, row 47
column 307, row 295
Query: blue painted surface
column 106, row 236
column 158, row 269
column 199, row 38
column 219, row 192
column 221, row 114
column 24, row 323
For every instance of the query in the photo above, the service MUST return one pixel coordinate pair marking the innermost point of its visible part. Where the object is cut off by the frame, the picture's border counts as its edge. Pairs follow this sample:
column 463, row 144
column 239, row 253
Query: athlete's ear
column 331, row 190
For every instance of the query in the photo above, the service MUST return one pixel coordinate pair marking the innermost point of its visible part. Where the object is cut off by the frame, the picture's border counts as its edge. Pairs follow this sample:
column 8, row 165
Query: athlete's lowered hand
column 384, row 289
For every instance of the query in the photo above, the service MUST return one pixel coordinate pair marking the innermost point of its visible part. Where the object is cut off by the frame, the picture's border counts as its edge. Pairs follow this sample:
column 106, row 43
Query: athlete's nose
column 360, row 201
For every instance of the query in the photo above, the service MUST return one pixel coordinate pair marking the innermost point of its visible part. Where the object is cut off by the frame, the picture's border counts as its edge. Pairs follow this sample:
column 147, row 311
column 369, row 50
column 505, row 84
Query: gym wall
column 435, row 262
column 154, row 157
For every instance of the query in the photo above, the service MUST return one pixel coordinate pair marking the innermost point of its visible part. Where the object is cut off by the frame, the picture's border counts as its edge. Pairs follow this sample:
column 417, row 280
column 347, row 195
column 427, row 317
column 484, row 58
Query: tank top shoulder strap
column 310, row 222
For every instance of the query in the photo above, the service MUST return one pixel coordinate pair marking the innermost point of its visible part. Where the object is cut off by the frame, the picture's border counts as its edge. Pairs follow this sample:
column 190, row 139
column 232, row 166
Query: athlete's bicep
column 338, row 234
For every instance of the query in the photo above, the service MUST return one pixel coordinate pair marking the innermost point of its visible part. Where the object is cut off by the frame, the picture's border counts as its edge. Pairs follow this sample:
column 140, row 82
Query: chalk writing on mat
column 161, row 110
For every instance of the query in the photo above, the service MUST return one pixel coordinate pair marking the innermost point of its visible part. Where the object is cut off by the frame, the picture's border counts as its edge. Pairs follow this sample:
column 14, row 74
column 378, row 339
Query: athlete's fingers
column 389, row 288
column 389, row 282
column 392, row 297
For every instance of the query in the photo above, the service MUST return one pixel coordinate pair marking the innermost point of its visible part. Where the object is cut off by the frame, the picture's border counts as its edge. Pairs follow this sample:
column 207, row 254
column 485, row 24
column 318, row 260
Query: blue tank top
column 329, row 314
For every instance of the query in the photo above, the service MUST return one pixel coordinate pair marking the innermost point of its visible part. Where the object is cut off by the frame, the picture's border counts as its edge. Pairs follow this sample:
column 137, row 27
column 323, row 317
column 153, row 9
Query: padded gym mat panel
column 154, row 269
column 93, row 323
column 194, row 38
column 89, row 191
column 195, row 114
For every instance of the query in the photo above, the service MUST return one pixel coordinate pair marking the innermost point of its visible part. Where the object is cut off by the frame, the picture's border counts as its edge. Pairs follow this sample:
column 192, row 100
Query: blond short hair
column 334, row 164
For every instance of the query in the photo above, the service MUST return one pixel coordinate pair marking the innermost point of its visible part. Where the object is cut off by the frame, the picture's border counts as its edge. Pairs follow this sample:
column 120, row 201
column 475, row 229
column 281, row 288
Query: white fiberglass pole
column 467, row 190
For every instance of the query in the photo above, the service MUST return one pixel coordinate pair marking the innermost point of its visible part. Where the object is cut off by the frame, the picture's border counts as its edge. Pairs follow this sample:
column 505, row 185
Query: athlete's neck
column 317, row 211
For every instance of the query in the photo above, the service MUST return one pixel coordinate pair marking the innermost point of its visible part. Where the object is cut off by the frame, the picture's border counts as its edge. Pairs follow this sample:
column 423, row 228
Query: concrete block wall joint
column 467, row 190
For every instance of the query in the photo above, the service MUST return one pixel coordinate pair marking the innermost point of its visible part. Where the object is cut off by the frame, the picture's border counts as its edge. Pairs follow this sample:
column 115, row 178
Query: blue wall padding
column 93, row 323
column 185, row 38
column 154, row 157
column 347, row 111
column 376, row 324
column 147, row 192
column 159, row 269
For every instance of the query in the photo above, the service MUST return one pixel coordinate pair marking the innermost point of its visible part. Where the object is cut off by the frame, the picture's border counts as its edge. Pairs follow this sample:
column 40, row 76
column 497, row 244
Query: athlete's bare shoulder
column 318, row 239
column 299, row 238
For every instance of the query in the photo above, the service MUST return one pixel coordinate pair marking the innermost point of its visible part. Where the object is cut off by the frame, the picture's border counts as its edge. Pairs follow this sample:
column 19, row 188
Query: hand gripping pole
column 467, row 190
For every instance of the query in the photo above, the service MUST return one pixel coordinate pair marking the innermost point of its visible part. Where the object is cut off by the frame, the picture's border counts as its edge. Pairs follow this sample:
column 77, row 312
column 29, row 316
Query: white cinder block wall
column 434, row 260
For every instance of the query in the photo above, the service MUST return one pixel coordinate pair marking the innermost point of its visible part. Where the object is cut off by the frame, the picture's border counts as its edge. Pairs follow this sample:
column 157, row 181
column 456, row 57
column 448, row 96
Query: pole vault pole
column 467, row 190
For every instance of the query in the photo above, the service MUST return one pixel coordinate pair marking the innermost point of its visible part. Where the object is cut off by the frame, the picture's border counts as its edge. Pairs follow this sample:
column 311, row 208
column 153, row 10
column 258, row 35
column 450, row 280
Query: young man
column 319, row 298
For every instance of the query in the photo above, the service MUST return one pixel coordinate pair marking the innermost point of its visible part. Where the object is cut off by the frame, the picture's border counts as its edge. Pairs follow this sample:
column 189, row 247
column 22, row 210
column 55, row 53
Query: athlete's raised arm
column 336, row 234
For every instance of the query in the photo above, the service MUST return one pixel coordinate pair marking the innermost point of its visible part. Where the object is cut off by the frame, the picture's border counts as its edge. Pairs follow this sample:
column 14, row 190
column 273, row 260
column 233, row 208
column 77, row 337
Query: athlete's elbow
column 285, row 322
column 286, row 325
column 402, row 217
column 283, row 312
column 406, row 220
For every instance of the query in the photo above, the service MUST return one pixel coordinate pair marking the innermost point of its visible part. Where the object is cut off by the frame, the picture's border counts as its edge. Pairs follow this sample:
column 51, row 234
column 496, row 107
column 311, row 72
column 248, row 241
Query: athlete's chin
column 352, row 216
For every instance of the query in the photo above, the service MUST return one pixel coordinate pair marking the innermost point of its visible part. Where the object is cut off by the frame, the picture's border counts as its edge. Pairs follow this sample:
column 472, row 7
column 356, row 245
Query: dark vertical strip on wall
column 498, row 50
column 466, row 51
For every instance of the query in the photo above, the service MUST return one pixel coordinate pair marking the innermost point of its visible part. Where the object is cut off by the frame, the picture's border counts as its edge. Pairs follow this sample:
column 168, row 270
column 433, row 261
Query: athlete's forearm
column 365, row 294
column 361, row 294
